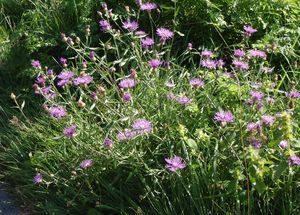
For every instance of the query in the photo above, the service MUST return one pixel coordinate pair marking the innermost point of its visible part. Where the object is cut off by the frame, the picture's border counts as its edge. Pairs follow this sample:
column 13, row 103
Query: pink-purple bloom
column 267, row 120
column 38, row 178
column 184, row 100
column 164, row 34
column 127, row 83
column 283, row 144
column 294, row 94
column 209, row 63
column 86, row 163
column 224, row 117
column 92, row 56
column 41, row 79
column 130, row 25
column 104, row 25
column 154, row 63
column 108, row 142
column 83, row 80
column 256, row 95
column 294, row 160
column 127, row 135
column 142, row 126
column 36, row 64
column 148, row 6
column 255, row 143
column 147, row 42
column 171, row 96
column 196, row 82
column 239, row 53
column 206, row 53
column 57, row 112
column 249, row 30
column 257, row 54
column 127, row 97
column 70, row 131
column 65, row 78
column 175, row 163
column 240, row 65
column 63, row 61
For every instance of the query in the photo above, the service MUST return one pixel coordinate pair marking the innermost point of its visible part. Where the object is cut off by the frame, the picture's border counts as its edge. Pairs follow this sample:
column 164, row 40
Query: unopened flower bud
column 77, row 40
column 190, row 46
column 101, row 90
column 127, row 9
column 112, row 69
column 88, row 30
column 70, row 41
column 12, row 96
column 133, row 74
column 81, row 104
column 63, row 37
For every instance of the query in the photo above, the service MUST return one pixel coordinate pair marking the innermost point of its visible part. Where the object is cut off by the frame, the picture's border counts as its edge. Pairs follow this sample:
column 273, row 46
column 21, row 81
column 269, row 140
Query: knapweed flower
column 224, row 117
column 127, row 97
column 220, row 63
column 70, row 131
column 104, row 25
column 171, row 96
column 57, row 112
column 83, row 80
column 196, row 82
column 164, row 34
column 40, row 80
column 63, row 61
column 255, row 143
column 257, row 54
column 94, row 96
column 175, row 163
column 142, row 126
column 253, row 127
column 36, row 64
column 240, row 65
column 127, row 135
column 127, row 83
column 283, row 144
column 209, row 63
column 154, row 63
column 147, row 42
column 50, row 72
column 206, row 53
column 239, row 53
column 249, row 30
column 148, row 6
column 294, row 160
column 108, row 142
column 92, row 56
column 64, row 78
column 86, row 163
column 294, row 94
column 130, row 25
column 184, row 100
column 38, row 178
column 140, row 33
column 256, row 95
column 267, row 120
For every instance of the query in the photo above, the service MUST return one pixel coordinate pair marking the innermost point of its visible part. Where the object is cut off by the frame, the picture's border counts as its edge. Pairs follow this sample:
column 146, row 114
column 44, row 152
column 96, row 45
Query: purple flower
column 147, row 42
column 293, row 94
column 220, row 63
column 239, row 53
column 224, row 117
column 240, row 65
column 154, row 63
column 40, row 80
column 126, row 97
column 94, row 96
column 164, row 34
column 63, row 61
column 256, row 95
column 294, row 160
column 64, row 78
column 70, row 131
column 140, row 33
column 209, row 63
column 108, row 142
column 127, row 83
column 142, row 126
column 36, row 64
column 86, row 163
column 283, row 144
column 267, row 120
column 130, row 25
column 171, row 96
column 175, row 163
column 57, row 112
column 253, row 127
column 104, row 25
column 184, row 100
column 206, row 53
column 249, row 30
column 45, row 90
column 255, row 143
column 127, row 135
column 148, row 6
column 257, row 54
column 92, row 56
column 83, row 80
column 196, row 82
column 38, row 178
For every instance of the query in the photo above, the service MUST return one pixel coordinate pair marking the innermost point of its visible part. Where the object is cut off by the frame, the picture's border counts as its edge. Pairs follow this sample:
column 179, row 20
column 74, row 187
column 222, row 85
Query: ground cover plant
column 127, row 127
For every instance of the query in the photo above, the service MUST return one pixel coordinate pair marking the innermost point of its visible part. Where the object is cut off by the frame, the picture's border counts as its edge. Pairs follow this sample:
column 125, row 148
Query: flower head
column 294, row 160
column 294, row 94
column 206, row 53
column 63, row 61
column 283, row 144
column 86, row 163
column 36, row 64
column 130, row 25
column 127, row 83
column 127, row 97
column 142, row 126
column 249, row 30
column 127, row 135
column 104, row 25
column 267, row 120
column 83, row 80
column 175, row 163
column 253, row 127
column 257, row 54
column 40, row 80
column 184, row 100
column 224, row 117
column 70, row 131
column 164, row 34
column 209, row 63
column 64, row 78
column 148, row 6
column 108, row 142
column 57, row 112
column 147, row 42
column 240, row 65
column 239, row 53
column 256, row 95
column 255, row 143
column 38, row 178
column 154, row 63
column 196, row 82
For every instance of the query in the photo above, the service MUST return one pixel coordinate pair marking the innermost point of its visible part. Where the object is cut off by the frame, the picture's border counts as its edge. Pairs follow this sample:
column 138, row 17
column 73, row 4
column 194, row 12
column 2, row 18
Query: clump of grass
column 128, row 127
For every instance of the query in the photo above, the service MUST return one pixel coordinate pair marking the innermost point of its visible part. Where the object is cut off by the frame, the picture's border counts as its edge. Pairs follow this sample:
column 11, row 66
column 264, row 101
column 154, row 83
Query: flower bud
column 12, row 96
column 81, row 104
